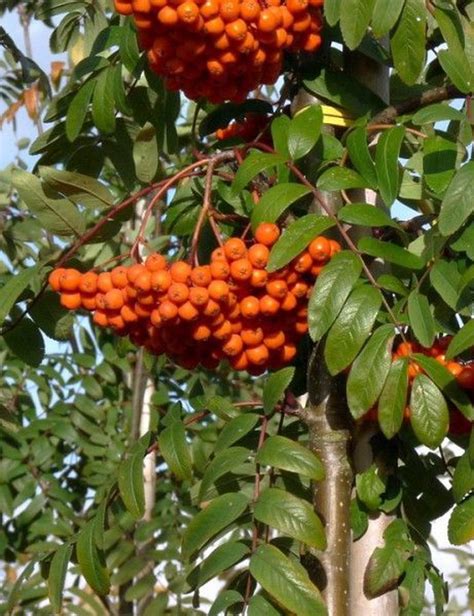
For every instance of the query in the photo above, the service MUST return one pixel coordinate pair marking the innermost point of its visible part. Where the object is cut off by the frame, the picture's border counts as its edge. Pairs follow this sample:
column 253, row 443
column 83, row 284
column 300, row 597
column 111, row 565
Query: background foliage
column 234, row 476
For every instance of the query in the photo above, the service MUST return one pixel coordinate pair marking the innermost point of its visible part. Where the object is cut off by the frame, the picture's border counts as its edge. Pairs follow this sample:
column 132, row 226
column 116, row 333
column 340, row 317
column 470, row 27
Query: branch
column 435, row 95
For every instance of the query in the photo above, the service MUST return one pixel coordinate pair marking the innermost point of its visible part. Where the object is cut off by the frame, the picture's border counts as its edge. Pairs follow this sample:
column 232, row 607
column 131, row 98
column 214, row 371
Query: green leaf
column 287, row 581
column 445, row 278
column 355, row 19
column 304, row 131
column 384, row 569
column 458, row 202
column 461, row 523
column 77, row 110
column 340, row 178
column 57, row 576
column 259, row 606
column 330, row 292
column 351, row 328
column 236, row 429
column 175, row 450
column 463, row 479
column 447, row 383
column 386, row 161
column 254, row 163
column 103, row 104
column 454, row 64
column 439, row 112
column 421, row 318
column 429, row 412
column 290, row 515
column 225, row 462
column 145, row 154
column 369, row 371
column 370, row 488
column 80, row 189
column 393, row 399
column 130, row 478
column 280, row 127
column 385, row 15
column 26, row 342
column 14, row 596
column 439, row 162
column 360, row 155
column 365, row 215
column 275, row 201
column 391, row 253
column 225, row 600
column 359, row 519
column 218, row 561
column 91, row 560
column 209, row 522
column 408, row 41
column 56, row 322
column 11, row 291
column 59, row 216
column 296, row 238
column 332, row 11
column 275, row 386
column 288, row 455
column 463, row 340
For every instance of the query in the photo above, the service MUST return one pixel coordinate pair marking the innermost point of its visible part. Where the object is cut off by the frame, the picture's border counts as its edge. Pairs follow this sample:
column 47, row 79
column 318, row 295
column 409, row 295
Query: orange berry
column 54, row 279
column 146, row 298
column 441, row 358
column 235, row 249
column 119, row 277
column 211, row 309
column 168, row 16
column 223, row 332
column 210, row 8
column 316, row 270
column 201, row 276
column 168, row 310
column 100, row 301
column 267, row 233
column 113, row 299
column 198, row 296
column 134, row 271
column 69, row 280
column 454, row 368
column 128, row 315
column 143, row 281
column 241, row 269
column 296, row 6
column 267, row 22
column 220, row 269
column 116, row 322
column 277, row 289
column 222, row 43
column 155, row 318
column 230, row 10
column 218, row 254
column 250, row 10
column 178, row 293
column 88, row 283
column 250, row 307
column 274, row 340
column 259, row 278
column 320, row 249
column 300, row 290
column 188, row 312
column 236, row 30
column 465, row 378
column 240, row 362
column 155, row 262
column 258, row 255
column 404, row 349
column 201, row 332
column 236, row 326
column 161, row 281
column 180, row 271
column 288, row 352
column 252, row 336
column 258, row 355
column 214, row 26
column 301, row 327
column 303, row 263
column 269, row 305
column 100, row 318
column 289, row 302
column 233, row 346
column 413, row 370
column 335, row 247
column 302, row 22
column 104, row 282
column 188, row 12
column 71, row 300
column 143, row 311
column 89, row 302
column 218, row 290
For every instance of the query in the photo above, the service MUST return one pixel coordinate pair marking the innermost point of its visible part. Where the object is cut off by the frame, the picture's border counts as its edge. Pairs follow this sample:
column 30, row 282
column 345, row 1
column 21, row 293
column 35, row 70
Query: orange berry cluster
column 230, row 309
column 464, row 374
column 222, row 49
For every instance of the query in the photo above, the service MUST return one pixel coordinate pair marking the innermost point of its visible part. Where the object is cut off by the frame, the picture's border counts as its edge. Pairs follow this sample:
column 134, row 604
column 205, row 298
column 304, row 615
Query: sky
column 25, row 128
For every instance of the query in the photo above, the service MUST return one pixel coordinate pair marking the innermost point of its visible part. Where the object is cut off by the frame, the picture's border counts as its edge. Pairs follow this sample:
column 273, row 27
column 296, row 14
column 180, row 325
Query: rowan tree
column 236, row 307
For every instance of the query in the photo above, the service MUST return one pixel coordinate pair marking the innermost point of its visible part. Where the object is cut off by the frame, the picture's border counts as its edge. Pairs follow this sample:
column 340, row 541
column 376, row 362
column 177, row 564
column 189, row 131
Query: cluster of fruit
column 222, row 49
column 463, row 372
column 230, row 309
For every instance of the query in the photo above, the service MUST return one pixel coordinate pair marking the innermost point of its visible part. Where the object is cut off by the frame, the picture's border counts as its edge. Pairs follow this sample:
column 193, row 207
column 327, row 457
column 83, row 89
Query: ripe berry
column 267, row 233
